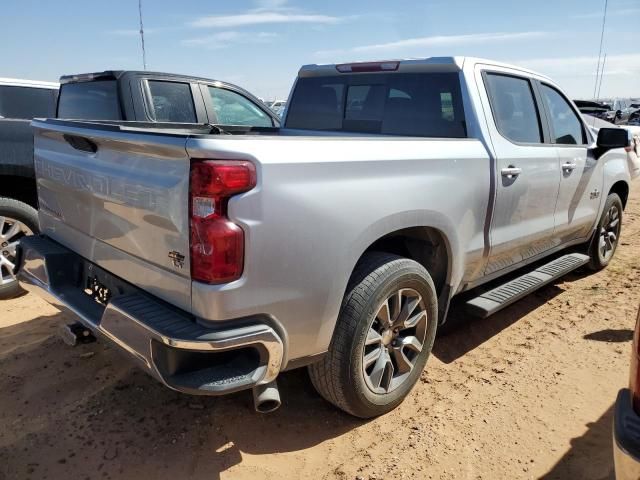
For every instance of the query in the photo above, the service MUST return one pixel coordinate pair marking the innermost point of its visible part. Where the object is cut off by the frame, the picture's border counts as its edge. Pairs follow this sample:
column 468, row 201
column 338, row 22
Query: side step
column 490, row 302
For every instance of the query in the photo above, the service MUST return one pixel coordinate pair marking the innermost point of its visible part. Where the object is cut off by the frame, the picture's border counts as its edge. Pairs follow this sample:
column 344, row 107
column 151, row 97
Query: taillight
column 216, row 243
column 634, row 375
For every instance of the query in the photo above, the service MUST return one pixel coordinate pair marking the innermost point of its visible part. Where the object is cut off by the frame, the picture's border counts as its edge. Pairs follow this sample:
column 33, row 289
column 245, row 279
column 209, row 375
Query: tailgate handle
column 81, row 143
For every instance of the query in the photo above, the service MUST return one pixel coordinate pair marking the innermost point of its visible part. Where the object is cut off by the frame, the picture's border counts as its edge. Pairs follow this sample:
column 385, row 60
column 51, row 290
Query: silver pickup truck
column 218, row 257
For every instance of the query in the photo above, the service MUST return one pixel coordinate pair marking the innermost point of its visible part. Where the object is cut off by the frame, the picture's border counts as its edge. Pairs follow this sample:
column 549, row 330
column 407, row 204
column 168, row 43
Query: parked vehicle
column 219, row 257
column 633, row 150
column 626, row 423
column 278, row 107
column 596, row 109
column 622, row 107
column 110, row 95
column 159, row 97
column 20, row 102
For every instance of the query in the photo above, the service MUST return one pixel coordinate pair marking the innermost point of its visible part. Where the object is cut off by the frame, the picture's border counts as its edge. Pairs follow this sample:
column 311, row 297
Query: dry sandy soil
column 527, row 393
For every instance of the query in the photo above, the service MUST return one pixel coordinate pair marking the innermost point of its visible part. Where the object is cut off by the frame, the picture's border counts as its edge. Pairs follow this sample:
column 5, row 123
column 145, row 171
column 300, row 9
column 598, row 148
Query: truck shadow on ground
column 463, row 333
column 85, row 413
column 590, row 455
column 466, row 333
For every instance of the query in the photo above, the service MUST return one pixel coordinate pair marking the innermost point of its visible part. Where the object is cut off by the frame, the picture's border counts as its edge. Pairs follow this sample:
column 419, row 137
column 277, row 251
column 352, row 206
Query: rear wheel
column 17, row 220
column 383, row 337
column 605, row 240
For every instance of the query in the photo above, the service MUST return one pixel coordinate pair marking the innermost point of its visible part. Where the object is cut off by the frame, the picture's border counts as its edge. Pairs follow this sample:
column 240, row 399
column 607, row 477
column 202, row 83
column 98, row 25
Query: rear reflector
column 368, row 67
column 217, row 244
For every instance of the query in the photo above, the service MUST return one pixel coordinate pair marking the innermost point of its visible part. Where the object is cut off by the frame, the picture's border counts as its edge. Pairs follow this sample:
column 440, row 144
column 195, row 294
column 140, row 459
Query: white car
column 633, row 151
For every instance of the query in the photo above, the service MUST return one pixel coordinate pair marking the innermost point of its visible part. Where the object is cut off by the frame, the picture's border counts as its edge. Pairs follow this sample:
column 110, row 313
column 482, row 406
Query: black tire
column 27, row 215
column 600, row 256
column 340, row 376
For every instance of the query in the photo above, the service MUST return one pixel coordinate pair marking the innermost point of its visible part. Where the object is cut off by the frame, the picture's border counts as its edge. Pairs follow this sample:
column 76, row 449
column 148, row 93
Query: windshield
column 408, row 104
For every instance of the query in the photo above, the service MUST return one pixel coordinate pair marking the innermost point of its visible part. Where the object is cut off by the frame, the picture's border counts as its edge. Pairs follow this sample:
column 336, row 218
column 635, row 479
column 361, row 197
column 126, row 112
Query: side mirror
column 609, row 138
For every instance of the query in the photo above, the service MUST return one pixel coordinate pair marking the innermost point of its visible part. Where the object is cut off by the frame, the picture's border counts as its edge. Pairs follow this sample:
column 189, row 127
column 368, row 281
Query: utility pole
column 604, row 18
column 144, row 54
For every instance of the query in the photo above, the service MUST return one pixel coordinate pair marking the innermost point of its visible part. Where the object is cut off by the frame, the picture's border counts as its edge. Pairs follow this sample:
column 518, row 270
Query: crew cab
column 159, row 97
column 219, row 257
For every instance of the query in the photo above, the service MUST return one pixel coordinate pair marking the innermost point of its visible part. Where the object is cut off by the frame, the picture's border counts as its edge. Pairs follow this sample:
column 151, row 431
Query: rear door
column 581, row 178
column 527, row 177
column 173, row 101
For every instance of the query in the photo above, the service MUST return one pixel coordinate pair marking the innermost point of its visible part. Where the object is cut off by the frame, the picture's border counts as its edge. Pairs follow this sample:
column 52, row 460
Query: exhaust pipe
column 266, row 398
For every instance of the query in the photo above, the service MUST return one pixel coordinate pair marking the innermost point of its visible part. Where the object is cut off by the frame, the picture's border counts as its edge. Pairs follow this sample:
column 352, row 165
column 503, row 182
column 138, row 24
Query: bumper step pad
column 500, row 297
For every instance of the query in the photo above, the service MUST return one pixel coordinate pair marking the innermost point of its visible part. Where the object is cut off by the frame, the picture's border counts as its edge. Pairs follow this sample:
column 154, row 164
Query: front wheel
column 383, row 337
column 17, row 219
column 607, row 235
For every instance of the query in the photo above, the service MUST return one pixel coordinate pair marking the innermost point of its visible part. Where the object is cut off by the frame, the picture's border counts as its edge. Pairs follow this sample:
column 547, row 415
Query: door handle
column 511, row 171
column 568, row 167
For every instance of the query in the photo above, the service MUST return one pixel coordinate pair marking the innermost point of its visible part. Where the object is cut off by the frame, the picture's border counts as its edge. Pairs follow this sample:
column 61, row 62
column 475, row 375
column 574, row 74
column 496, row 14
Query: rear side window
column 27, row 102
column 96, row 100
column 233, row 109
column 567, row 127
column 404, row 104
column 172, row 102
column 514, row 108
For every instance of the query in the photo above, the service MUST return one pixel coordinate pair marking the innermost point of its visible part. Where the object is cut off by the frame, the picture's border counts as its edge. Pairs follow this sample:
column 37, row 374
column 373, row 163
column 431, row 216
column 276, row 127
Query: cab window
column 234, row 109
column 172, row 102
column 566, row 126
column 514, row 108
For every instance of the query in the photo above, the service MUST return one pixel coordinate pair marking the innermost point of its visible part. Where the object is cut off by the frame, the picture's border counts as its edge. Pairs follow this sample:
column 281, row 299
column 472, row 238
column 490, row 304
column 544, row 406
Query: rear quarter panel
column 319, row 204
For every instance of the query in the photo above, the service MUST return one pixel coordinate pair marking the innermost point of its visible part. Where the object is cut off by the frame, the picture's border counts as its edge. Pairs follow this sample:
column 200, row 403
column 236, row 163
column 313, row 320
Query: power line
column 604, row 60
column 604, row 18
column 144, row 54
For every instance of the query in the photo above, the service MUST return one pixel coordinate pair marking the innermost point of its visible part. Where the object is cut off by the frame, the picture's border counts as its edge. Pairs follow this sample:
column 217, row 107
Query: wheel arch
column 20, row 188
column 433, row 244
column 621, row 188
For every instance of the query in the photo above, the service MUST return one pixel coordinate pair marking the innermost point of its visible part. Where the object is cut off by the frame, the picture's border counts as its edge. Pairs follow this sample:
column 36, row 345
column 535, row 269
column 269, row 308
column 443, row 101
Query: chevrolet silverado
column 219, row 257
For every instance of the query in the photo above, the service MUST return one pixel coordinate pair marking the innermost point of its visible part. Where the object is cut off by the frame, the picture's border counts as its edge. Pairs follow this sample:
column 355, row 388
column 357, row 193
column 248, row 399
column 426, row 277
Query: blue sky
column 260, row 44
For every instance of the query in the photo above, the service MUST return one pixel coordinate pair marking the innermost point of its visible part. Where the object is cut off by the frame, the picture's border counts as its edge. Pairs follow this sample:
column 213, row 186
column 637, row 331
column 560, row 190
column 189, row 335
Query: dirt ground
column 527, row 393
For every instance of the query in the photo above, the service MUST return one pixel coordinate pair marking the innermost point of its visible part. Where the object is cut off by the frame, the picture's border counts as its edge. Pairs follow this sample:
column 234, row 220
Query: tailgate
column 120, row 200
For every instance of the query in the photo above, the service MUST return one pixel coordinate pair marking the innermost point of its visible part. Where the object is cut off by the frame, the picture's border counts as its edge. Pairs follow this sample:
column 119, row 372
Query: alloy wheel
column 11, row 231
column 609, row 233
column 394, row 341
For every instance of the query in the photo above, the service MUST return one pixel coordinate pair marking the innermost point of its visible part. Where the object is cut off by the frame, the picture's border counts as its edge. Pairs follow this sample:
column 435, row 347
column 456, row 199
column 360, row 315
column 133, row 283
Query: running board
column 490, row 302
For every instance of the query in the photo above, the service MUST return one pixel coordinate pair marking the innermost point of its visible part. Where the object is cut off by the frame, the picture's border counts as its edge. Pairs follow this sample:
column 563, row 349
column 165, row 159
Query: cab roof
column 408, row 65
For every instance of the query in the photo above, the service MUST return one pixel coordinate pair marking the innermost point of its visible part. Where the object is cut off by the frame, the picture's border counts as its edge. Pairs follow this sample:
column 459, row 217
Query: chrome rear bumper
column 166, row 342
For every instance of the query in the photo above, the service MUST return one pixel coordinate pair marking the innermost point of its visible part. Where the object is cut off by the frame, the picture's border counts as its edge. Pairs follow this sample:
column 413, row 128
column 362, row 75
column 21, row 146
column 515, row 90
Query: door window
column 234, row 109
column 567, row 128
column 172, row 102
column 514, row 108
column 27, row 102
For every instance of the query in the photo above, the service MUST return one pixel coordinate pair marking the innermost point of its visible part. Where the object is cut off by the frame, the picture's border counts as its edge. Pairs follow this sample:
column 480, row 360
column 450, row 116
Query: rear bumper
column 626, row 438
column 166, row 342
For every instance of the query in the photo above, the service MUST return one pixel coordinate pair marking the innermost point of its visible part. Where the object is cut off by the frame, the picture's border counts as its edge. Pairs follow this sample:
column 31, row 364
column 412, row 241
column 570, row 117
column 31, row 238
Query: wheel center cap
column 387, row 337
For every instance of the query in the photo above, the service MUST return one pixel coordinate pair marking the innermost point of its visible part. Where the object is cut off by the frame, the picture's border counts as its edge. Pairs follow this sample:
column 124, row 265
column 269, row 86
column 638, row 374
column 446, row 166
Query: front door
column 581, row 178
column 527, row 177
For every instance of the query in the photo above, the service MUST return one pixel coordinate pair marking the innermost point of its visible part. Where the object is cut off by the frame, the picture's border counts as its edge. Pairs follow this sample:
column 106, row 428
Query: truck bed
column 320, row 200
